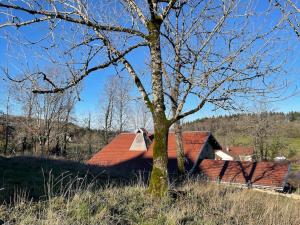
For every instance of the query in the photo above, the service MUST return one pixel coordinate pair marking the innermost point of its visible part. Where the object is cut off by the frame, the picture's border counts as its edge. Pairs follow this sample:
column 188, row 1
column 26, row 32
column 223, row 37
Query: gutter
column 253, row 187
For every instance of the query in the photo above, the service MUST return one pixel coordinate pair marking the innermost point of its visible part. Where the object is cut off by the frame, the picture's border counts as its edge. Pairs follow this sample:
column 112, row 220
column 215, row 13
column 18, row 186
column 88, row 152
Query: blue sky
column 93, row 85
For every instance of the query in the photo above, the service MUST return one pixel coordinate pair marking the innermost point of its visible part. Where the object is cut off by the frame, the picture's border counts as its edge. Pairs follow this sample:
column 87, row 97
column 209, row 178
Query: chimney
column 141, row 141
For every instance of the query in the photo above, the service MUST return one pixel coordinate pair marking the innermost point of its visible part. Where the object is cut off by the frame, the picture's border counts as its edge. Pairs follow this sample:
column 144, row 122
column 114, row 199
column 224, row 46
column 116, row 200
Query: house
column 134, row 151
column 129, row 152
column 236, row 154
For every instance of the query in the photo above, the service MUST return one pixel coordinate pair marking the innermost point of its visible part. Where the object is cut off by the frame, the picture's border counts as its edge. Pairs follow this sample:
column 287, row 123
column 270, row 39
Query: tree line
column 266, row 131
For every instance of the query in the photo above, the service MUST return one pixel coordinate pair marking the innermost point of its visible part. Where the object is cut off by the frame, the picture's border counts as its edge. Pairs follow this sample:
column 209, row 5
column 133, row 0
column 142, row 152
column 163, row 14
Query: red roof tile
column 117, row 151
column 269, row 174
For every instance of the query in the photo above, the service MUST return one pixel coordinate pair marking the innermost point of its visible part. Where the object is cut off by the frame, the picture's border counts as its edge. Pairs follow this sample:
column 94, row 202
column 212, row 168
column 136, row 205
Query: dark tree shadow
column 36, row 177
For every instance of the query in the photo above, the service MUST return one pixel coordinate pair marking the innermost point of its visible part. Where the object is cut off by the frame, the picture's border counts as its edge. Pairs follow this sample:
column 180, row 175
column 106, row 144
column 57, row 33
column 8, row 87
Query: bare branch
column 67, row 17
column 136, row 9
column 130, row 70
column 20, row 24
column 168, row 8
column 89, row 71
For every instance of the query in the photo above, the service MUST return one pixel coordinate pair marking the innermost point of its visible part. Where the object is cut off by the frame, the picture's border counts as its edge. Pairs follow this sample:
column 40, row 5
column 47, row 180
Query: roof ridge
column 247, row 162
column 193, row 131
column 187, row 131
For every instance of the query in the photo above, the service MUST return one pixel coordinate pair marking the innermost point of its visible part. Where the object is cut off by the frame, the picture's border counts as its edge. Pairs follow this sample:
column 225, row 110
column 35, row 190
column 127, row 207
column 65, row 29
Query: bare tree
column 89, row 135
column 114, row 106
column 25, row 125
column 7, row 127
column 264, row 129
column 70, row 100
column 46, row 118
column 107, row 109
column 140, row 116
column 221, row 59
column 122, row 98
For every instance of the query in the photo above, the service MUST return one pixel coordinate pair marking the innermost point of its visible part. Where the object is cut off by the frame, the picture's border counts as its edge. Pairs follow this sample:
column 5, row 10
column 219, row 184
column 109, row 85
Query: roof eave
column 197, row 162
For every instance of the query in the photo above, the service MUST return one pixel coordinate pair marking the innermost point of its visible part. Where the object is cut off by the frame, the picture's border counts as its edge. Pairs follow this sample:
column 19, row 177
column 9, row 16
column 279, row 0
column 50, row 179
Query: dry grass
column 192, row 203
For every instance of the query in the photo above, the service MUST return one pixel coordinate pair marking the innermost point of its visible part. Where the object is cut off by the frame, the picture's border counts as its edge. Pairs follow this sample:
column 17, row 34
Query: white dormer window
column 141, row 141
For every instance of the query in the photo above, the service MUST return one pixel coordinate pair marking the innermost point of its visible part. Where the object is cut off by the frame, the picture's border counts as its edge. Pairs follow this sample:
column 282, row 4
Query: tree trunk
column 34, row 147
column 42, row 149
column 24, row 145
column 159, row 181
column 64, row 149
column 89, row 136
column 179, row 148
column 7, row 126
column 6, row 139
column 175, row 99
column 178, row 136
column 48, row 143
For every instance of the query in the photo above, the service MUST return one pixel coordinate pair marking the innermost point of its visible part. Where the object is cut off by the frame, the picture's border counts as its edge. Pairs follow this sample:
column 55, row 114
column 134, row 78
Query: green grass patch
column 295, row 167
column 294, row 143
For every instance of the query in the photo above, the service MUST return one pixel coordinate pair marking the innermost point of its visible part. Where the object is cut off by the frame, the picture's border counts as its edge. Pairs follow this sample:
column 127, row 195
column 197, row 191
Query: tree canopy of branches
column 194, row 51
column 290, row 10
column 46, row 117
column 114, row 104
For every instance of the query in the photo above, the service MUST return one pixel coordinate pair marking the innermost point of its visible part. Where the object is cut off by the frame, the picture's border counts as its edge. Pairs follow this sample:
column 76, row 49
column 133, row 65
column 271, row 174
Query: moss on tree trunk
column 159, row 180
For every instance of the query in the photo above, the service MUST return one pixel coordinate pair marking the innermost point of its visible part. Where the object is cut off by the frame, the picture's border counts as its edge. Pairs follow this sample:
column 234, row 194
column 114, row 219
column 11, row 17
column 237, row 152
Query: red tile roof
column 117, row 155
column 240, row 150
column 269, row 174
column 117, row 151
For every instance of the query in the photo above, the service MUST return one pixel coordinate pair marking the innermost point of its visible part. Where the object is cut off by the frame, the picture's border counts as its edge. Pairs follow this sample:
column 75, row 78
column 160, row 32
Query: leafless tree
column 89, row 135
column 122, row 100
column 46, row 119
column 25, row 98
column 7, row 127
column 70, row 100
column 114, row 104
column 140, row 116
column 107, row 109
column 264, row 130
column 221, row 57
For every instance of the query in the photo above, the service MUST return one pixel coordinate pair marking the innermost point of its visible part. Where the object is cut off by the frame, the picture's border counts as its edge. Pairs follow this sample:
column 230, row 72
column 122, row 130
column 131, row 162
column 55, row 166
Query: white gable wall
column 223, row 155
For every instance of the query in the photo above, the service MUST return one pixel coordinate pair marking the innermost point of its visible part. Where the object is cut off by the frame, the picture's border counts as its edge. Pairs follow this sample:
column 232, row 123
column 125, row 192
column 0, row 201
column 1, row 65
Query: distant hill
column 242, row 129
column 240, row 123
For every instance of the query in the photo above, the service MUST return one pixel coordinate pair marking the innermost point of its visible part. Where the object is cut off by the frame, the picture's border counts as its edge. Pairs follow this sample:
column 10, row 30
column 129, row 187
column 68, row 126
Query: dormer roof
column 141, row 141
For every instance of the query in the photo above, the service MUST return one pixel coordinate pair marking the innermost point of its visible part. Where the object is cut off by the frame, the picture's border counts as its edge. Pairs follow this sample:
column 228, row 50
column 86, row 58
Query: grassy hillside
column 40, row 191
column 241, row 130
column 191, row 203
